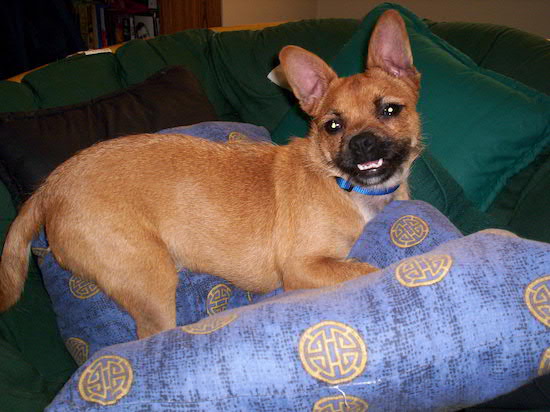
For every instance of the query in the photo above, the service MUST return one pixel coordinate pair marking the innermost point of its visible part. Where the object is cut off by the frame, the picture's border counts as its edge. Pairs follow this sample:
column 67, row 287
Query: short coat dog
column 129, row 212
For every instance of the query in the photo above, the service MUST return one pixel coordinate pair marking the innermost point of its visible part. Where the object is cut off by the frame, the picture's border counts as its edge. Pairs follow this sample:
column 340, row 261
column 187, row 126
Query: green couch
column 231, row 68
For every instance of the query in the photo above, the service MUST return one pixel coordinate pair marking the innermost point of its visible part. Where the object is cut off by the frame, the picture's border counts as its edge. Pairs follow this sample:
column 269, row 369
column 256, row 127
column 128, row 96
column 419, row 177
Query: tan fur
column 128, row 213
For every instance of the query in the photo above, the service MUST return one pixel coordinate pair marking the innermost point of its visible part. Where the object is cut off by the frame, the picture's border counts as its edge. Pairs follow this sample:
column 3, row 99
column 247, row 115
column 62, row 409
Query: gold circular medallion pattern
column 210, row 324
column 237, row 137
column 79, row 349
column 537, row 299
column 544, row 364
column 82, row 289
column 423, row 270
column 332, row 352
column 408, row 231
column 218, row 299
column 106, row 380
column 340, row 404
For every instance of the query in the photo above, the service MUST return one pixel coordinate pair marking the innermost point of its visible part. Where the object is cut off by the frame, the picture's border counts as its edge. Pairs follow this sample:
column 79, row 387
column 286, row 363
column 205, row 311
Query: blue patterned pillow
column 223, row 131
column 443, row 326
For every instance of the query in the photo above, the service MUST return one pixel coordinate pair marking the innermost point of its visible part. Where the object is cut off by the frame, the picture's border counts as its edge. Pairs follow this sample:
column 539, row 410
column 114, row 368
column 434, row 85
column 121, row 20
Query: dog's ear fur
column 390, row 49
column 308, row 75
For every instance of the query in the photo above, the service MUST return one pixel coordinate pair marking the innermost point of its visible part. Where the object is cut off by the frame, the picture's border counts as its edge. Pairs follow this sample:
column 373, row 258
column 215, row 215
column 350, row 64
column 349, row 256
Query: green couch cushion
column 430, row 182
column 496, row 47
column 493, row 126
column 16, row 97
column 138, row 51
column 75, row 80
column 190, row 48
column 527, row 195
column 243, row 59
column 22, row 388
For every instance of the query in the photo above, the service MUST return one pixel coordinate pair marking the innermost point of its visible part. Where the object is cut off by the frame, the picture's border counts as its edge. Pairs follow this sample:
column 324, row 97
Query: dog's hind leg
column 150, row 300
column 137, row 272
column 146, row 289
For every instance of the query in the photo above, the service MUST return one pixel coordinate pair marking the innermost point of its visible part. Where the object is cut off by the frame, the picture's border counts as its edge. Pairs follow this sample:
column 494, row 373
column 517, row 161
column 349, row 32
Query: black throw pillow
column 33, row 144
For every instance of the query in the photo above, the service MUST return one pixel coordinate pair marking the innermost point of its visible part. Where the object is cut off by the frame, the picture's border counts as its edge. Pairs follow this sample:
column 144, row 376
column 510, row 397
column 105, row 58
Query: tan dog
column 129, row 212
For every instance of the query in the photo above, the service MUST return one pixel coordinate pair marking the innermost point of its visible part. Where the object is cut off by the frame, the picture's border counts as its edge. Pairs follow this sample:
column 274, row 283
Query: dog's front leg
column 318, row 271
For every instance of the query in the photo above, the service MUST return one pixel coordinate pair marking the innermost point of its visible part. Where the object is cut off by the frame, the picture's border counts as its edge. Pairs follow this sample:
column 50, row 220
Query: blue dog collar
column 347, row 186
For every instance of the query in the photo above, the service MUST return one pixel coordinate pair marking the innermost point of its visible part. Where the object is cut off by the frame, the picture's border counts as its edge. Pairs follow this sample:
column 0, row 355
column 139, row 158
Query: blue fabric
column 402, row 230
column 222, row 131
column 450, row 321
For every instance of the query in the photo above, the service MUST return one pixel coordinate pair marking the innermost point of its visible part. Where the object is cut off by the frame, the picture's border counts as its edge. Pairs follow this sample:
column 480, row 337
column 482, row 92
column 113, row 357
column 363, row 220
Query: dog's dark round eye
column 391, row 109
column 333, row 126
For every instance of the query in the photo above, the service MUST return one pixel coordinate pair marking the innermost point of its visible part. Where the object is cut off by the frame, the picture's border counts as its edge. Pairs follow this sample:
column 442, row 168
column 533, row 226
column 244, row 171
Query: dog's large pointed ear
column 390, row 49
column 308, row 76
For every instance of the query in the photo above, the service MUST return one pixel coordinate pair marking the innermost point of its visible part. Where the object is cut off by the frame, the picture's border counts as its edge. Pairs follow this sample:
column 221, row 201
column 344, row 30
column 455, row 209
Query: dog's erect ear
column 390, row 49
column 308, row 75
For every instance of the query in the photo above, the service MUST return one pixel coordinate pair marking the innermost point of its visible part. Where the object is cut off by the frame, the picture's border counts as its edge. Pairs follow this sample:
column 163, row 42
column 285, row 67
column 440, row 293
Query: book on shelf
column 108, row 22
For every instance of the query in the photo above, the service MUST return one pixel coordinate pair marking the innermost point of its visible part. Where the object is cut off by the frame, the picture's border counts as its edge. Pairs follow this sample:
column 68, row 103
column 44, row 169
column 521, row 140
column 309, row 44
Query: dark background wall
column 35, row 32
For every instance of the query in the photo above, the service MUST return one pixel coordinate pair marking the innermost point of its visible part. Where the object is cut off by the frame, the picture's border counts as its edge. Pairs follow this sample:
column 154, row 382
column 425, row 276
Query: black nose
column 366, row 145
column 362, row 142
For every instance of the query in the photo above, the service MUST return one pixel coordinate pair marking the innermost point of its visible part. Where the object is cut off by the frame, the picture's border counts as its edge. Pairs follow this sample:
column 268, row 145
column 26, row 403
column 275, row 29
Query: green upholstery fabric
column 525, row 202
column 243, row 59
column 21, row 386
column 430, row 182
column 141, row 51
column 16, row 97
column 75, row 80
column 495, row 47
column 34, row 361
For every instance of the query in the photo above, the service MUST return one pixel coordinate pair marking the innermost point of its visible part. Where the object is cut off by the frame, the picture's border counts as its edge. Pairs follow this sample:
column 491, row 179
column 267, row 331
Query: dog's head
column 365, row 126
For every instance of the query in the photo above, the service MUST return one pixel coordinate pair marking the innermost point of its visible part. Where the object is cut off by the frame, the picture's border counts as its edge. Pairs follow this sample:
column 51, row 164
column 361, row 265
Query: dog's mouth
column 368, row 159
column 373, row 165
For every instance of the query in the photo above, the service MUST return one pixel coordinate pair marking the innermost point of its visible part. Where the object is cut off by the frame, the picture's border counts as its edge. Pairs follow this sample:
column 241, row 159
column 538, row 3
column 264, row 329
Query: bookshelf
column 106, row 22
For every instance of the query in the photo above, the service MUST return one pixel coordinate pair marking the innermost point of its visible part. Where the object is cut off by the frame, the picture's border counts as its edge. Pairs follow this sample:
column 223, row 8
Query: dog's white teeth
column 370, row 165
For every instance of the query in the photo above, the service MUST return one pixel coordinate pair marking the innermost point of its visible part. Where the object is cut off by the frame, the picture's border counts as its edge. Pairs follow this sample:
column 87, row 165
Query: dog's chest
column 370, row 206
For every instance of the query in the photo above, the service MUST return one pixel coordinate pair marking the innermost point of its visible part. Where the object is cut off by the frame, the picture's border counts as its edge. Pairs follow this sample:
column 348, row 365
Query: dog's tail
column 15, row 256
